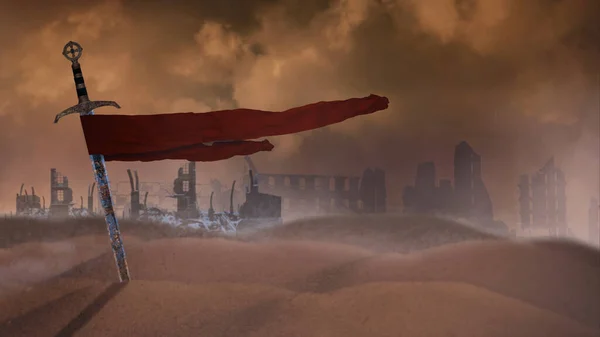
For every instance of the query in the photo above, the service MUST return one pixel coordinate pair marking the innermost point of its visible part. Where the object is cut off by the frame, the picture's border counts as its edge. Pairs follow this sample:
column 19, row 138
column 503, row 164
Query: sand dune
column 562, row 280
column 28, row 263
column 270, row 286
column 379, row 233
column 145, row 308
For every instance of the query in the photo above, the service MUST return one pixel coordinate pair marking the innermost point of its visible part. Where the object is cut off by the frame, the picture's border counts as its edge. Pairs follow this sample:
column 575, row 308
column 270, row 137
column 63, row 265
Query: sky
column 516, row 79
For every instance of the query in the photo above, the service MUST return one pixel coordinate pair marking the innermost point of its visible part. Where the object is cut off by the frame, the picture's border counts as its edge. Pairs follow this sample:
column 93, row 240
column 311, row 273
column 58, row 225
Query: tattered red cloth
column 181, row 135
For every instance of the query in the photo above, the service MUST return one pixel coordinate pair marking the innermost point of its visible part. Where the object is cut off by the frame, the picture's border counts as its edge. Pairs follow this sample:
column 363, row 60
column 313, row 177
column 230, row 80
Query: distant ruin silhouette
column 542, row 200
column 468, row 198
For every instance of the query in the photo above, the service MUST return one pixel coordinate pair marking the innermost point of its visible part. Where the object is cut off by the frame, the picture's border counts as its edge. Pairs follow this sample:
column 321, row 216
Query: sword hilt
column 73, row 51
column 82, row 94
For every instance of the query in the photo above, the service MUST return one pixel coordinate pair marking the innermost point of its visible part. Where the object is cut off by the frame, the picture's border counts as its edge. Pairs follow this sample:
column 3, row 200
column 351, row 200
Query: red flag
column 180, row 135
column 199, row 152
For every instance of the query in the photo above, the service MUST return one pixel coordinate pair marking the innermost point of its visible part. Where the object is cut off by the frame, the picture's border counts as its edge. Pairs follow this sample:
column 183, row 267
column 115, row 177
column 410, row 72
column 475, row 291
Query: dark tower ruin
column 372, row 191
column 471, row 196
column 594, row 222
column 185, row 191
column 61, row 195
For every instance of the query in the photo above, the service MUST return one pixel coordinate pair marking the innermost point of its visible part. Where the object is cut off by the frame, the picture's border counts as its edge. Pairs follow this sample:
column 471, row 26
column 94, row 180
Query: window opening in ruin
column 302, row 183
column 332, row 202
column 286, row 181
column 360, row 204
column 186, row 186
column 347, row 184
column 60, row 196
column 332, row 184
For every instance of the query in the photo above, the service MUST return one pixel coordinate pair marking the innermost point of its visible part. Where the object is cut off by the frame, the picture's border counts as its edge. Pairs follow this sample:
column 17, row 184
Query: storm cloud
column 516, row 79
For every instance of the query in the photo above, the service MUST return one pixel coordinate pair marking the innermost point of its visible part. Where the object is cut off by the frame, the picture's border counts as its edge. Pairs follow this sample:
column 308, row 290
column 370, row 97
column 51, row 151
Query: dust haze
column 516, row 79
column 340, row 276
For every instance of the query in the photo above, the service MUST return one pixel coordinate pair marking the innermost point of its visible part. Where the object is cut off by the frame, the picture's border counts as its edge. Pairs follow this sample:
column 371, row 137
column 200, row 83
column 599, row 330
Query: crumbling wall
column 313, row 194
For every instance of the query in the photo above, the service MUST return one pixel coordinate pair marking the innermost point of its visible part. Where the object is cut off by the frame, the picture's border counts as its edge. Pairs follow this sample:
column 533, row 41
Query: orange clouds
column 514, row 78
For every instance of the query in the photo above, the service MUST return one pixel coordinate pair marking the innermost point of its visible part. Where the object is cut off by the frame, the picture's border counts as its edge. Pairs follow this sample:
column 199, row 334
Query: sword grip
column 82, row 94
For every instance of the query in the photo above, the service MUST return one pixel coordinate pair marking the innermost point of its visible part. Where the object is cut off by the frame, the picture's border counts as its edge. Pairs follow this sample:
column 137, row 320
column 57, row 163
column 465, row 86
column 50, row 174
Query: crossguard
column 72, row 51
column 85, row 108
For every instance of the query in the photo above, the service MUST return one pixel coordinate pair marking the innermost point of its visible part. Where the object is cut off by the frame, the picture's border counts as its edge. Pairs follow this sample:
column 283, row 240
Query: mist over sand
column 338, row 276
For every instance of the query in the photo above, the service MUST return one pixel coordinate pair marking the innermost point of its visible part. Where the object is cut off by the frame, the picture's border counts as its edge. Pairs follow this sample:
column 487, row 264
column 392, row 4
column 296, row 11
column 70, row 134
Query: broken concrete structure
column 594, row 222
column 184, row 187
column 259, row 205
column 542, row 200
column 322, row 194
column 27, row 203
column 61, row 195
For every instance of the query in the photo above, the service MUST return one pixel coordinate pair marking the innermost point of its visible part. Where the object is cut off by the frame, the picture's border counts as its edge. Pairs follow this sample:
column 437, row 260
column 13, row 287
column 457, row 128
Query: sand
column 271, row 286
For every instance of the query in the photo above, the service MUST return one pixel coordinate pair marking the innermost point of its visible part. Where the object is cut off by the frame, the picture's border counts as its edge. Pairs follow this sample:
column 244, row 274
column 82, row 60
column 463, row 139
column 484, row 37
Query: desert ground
column 338, row 276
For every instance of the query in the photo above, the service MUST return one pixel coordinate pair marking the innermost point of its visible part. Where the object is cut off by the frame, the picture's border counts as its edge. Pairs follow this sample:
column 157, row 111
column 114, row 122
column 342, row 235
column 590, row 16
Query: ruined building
column 542, row 200
column 468, row 198
column 184, row 187
column 259, row 205
column 27, row 203
column 61, row 195
column 594, row 222
column 320, row 194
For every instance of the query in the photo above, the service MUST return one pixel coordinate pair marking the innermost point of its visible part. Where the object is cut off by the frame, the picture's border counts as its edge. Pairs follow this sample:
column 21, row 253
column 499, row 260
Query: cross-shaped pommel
column 72, row 51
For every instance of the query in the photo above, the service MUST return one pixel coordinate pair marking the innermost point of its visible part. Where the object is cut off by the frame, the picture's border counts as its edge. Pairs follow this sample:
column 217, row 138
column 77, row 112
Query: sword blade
column 112, row 223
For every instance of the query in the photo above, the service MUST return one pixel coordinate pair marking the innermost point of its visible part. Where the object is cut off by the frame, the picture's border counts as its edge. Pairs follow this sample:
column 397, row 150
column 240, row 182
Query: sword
column 73, row 51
